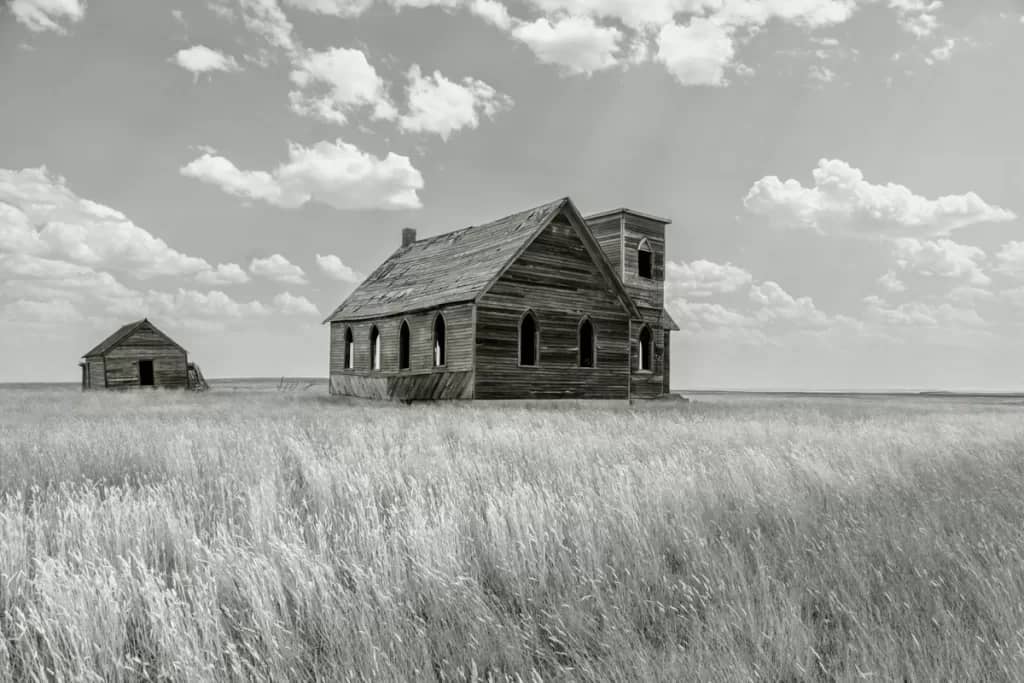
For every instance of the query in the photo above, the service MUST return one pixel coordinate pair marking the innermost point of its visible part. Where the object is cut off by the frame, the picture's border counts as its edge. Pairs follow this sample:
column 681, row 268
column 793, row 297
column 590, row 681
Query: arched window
column 374, row 348
column 587, row 344
column 529, row 340
column 350, row 347
column 403, row 346
column 645, row 350
column 645, row 260
column 440, row 342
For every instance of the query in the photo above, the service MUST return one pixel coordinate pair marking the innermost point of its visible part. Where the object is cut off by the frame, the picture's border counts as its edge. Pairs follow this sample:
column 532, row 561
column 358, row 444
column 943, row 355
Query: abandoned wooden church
column 540, row 304
column 139, row 355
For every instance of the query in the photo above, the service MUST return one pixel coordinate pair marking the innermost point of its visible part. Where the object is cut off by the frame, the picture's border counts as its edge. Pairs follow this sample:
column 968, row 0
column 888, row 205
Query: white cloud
column 1010, row 259
column 891, row 282
column 842, row 201
column 294, row 305
column 438, row 105
column 200, row 59
column 575, row 43
column 697, row 53
column 335, row 268
column 921, row 314
column 493, row 12
column 335, row 82
column 942, row 258
column 40, row 215
column 46, row 15
column 703, row 278
column 821, row 73
column 969, row 295
column 267, row 19
column 917, row 16
column 337, row 8
column 942, row 53
column 779, row 305
column 223, row 274
column 334, row 173
column 277, row 267
column 185, row 304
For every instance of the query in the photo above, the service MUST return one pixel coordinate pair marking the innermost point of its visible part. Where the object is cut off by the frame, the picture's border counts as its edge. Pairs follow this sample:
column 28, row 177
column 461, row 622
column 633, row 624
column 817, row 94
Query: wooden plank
column 557, row 279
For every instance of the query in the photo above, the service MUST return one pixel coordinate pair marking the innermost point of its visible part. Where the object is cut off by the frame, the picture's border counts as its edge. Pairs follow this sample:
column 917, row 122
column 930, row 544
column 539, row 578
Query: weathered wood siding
column 97, row 374
column 649, row 383
column 423, row 386
column 459, row 355
column 557, row 279
column 646, row 292
column 170, row 364
column 666, row 366
column 607, row 230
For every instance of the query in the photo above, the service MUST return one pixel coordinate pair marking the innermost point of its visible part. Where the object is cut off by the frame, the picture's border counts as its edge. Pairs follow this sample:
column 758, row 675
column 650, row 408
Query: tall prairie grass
column 282, row 536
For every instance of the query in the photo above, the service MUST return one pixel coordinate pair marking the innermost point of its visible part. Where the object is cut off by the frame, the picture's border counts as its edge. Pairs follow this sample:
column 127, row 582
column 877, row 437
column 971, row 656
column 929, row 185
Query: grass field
column 282, row 536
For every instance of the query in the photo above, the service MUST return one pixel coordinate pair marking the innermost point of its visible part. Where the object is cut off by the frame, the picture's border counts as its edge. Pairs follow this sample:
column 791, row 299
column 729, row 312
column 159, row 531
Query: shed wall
column 170, row 363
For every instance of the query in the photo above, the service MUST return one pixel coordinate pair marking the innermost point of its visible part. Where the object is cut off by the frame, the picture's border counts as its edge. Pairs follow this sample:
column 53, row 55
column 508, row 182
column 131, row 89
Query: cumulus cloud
column 776, row 304
column 696, row 53
column 439, row 105
column 576, row 43
column 277, row 267
column 891, row 282
column 843, row 202
column 41, row 215
column 917, row 16
column 921, row 314
column 337, row 173
column 335, row 268
column 200, row 59
column 337, row 8
column 223, row 274
column 703, row 278
column 942, row 258
column 290, row 304
column 47, row 15
column 334, row 82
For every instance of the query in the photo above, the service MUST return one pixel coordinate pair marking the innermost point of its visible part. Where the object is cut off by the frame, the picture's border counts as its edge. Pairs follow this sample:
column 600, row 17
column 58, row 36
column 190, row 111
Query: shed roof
column 123, row 333
column 456, row 266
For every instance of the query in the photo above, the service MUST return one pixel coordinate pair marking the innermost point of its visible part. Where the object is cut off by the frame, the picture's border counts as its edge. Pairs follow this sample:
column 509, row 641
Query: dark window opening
column 350, row 345
column 528, row 340
column 644, row 360
column 146, row 373
column 586, row 344
column 403, row 347
column 440, row 344
column 645, row 261
column 374, row 348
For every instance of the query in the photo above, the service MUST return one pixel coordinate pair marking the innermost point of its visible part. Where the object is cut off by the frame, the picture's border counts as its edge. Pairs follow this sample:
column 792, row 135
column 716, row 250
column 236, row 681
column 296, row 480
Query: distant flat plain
column 265, row 531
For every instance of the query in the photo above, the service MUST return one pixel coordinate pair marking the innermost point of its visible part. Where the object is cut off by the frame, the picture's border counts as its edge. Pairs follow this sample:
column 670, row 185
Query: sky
column 845, row 177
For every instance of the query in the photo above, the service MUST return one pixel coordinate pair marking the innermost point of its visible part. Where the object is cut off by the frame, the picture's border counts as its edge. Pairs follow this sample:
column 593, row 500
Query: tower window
column 645, row 260
column 645, row 349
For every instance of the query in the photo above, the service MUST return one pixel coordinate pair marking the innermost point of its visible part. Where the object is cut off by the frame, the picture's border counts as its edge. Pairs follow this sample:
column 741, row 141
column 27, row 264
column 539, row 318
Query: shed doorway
column 146, row 373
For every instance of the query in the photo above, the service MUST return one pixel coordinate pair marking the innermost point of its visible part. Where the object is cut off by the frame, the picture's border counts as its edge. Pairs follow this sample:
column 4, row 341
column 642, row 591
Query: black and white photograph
column 511, row 341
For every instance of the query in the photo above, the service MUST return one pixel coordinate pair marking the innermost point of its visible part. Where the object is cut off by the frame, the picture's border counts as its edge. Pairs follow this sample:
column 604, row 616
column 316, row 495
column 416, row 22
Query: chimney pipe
column 408, row 236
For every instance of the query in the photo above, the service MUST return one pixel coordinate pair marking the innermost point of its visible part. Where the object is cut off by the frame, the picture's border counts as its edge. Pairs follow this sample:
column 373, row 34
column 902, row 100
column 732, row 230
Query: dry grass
column 282, row 536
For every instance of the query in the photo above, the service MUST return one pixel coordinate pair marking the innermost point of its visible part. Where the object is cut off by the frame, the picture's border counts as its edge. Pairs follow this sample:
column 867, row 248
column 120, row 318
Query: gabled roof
column 459, row 266
column 123, row 333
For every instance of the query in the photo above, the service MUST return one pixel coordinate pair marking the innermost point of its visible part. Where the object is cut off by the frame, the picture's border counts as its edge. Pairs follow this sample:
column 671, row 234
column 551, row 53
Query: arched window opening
column 374, row 348
column 587, row 344
column 403, row 346
column 529, row 340
column 645, row 260
column 646, row 348
column 350, row 347
column 440, row 342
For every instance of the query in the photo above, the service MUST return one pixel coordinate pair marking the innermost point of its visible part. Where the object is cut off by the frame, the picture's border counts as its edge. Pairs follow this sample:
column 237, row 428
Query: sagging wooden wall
column 170, row 363
column 646, row 292
column 649, row 383
column 558, row 281
column 375, row 383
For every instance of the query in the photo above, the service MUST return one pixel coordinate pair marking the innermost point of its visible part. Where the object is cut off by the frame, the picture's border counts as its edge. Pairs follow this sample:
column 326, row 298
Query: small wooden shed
column 139, row 355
